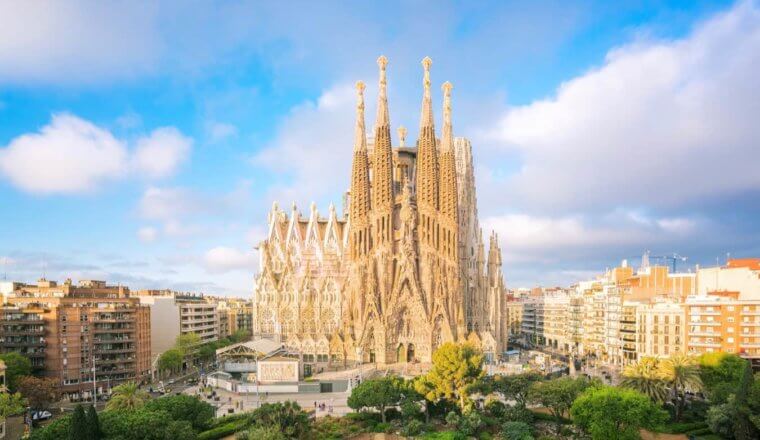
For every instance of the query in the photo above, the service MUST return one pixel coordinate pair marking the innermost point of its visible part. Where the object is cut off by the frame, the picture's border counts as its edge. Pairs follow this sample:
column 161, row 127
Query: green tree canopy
column 127, row 396
column 184, row 407
column 78, row 429
column 456, row 369
column 287, row 417
column 557, row 395
column 610, row 413
column 514, row 387
column 681, row 374
column 170, row 360
column 377, row 393
column 645, row 377
column 143, row 424
column 11, row 405
column 16, row 366
column 39, row 391
column 187, row 343
column 721, row 373
column 93, row 424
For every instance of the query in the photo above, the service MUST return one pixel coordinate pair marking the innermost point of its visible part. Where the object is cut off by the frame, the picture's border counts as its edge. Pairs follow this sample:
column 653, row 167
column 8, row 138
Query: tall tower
column 382, row 168
column 359, row 208
column 427, row 168
column 447, row 201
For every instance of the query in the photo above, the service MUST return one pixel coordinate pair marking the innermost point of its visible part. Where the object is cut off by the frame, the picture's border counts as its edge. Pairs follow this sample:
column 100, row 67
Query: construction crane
column 674, row 258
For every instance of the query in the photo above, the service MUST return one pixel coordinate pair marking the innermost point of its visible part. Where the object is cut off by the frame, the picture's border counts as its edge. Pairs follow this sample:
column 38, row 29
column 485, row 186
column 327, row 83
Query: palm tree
column 681, row 373
column 127, row 396
column 644, row 377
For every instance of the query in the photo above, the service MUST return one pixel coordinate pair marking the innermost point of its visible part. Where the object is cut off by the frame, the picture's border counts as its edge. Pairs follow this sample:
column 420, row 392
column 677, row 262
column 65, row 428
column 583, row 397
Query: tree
column 170, row 360
column 513, row 387
column 424, row 390
column 127, row 396
column 616, row 413
column 16, row 365
column 78, row 429
column 721, row 374
column 93, row 424
column 557, row 395
column 39, row 391
column 184, row 407
column 515, row 431
column 377, row 393
column 456, row 369
column 681, row 373
column 287, row 417
column 720, row 418
column 644, row 377
column 143, row 424
column 187, row 343
column 11, row 405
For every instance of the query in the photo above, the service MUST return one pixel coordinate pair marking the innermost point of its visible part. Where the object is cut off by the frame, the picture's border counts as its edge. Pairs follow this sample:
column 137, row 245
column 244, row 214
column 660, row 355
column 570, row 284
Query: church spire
column 382, row 95
column 427, row 168
column 426, row 119
column 448, row 192
column 360, row 136
column 359, row 207
column 382, row 171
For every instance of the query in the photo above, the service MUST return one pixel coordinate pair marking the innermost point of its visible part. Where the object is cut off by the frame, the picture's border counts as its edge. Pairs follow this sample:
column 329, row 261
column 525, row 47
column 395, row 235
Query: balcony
column 704, row 344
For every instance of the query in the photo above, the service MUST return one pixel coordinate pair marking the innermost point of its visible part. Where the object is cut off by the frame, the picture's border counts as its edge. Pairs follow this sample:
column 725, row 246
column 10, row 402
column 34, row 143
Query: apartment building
column 22, row 329
column 660, row 328
column 87, row 326
column 178, row 313
column 514, row 309
column 720, row 321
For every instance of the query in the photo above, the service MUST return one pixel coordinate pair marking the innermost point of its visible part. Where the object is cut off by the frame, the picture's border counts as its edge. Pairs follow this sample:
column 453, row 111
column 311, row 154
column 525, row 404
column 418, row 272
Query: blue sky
column 144, row 143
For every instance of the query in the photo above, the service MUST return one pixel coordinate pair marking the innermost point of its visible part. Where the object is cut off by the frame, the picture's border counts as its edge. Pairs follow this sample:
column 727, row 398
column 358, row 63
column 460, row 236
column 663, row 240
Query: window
column 730, row 340
column 730, row 329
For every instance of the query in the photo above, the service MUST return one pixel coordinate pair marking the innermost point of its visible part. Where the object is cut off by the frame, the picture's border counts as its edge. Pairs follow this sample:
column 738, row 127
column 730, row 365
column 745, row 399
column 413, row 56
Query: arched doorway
column 372, row 356
column 400, row 353
column 410, row 353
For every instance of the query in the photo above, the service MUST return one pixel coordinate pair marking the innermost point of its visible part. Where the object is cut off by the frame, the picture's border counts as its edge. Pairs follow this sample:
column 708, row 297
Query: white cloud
column 72, row 155
column 147, row 234
column 167, row 203
column 52, row 42
column 69, row 155
column 659, row 124
column 219, row 131
column 313, row 146
column 534, row 238
column 159, row 154
column 225, row 259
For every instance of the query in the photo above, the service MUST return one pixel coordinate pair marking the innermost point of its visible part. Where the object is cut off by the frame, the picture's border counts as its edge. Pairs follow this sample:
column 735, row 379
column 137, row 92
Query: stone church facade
column 402, row 270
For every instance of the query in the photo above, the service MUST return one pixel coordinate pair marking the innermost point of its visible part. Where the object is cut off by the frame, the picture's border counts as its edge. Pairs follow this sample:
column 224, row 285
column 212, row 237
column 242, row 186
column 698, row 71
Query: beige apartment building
column 85, row 326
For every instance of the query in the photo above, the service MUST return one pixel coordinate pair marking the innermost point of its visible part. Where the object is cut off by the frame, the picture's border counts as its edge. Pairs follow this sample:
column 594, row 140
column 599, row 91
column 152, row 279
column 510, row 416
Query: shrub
column 452, row 419
column 262, row 433
column 681, row 428
column 447, row 435
column 470, row 424
column 382, row 427
column 412, row 428
column 221, row 431
column 495, row 408
column 518, row 414
column 58, row 429
column 516, row 431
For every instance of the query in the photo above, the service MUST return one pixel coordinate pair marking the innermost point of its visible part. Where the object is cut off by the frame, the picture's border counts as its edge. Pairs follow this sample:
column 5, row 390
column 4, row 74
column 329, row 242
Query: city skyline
column 152, row 161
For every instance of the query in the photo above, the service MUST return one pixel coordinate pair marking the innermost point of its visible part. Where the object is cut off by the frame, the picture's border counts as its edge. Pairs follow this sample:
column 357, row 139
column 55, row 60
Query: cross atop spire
column 382, row 96
column 360, row 138
column 427, row 107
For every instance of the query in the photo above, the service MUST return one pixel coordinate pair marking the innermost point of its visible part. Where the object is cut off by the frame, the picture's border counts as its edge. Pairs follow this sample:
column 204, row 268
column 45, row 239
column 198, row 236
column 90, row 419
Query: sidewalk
column 248, row 402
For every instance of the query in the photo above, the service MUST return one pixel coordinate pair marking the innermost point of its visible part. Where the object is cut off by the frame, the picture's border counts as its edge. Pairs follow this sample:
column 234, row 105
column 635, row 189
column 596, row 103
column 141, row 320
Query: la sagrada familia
column 403, row 269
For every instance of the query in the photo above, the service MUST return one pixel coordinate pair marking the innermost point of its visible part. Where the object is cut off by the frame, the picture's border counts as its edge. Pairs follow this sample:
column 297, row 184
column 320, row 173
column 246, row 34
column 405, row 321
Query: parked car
column 41, row 415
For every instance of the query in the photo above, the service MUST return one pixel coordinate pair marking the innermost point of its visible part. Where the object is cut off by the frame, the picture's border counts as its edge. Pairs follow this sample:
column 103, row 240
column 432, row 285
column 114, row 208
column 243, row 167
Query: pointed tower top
column 401, row 136
column 360, row 138
column 447, row 143
column 427, row 111
column 382, row 96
